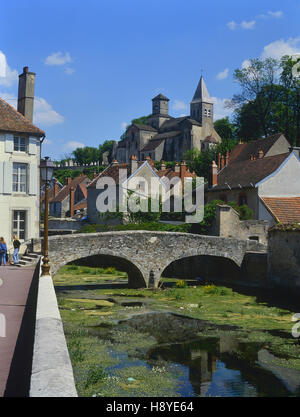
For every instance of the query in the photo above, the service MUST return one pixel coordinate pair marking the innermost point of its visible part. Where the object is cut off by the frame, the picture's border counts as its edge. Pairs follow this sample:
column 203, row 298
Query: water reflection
column 226, row 367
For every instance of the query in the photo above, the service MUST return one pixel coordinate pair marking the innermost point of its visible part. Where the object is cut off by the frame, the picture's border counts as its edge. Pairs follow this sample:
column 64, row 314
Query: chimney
column 183, row 171
column 56, row 187
column 240, row 142
column 26, row 93
column 222, row 162
column 227, row 158
column 163, row 166
column 260, row 154
column 68, row 180
column 213, row 178
column 133, row 163
column 219, row 161
column 115, row 161
column 72, row 200
column 177, row 167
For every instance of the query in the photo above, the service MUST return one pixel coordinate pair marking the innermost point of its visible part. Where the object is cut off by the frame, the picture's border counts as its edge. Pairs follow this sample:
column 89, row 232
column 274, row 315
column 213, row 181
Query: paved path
column 14, row 287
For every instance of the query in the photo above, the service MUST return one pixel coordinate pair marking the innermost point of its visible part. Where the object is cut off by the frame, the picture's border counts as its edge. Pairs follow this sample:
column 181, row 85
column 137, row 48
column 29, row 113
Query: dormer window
column 20, row 144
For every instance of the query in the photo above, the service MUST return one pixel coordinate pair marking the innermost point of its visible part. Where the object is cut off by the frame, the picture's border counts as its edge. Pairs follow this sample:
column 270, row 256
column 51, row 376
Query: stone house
column 20, row 152
column 139, row 177
column 259, row 174
column 164, row 137
column 72, row 197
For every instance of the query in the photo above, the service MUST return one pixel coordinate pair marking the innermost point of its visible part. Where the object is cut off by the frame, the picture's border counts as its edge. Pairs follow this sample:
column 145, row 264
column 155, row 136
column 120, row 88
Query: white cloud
column 248, row 25
column 7, row 75
column 246, row 63
column 58, row 58
column 124, row 125
column 277, row 14
column 70, row 146
column 220, row 110
column 47, row 142
column 43, row 111
column 244, row 24
column 179, row 105
column 223, row 74
column 232, row 25
column 281, row 47
column 69, row 71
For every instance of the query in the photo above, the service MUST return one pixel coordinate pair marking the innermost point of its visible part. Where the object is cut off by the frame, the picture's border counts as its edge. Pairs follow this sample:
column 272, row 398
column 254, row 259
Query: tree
column 106, row 146
column 140, row 121
column 200, row 162
column 224, row 128
column 86, row 155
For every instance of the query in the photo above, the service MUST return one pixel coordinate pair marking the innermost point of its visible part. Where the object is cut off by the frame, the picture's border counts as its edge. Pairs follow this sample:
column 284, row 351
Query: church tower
column 202, row 106
column 160, row 104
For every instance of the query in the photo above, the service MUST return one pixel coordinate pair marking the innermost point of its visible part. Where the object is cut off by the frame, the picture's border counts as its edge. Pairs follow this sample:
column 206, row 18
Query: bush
column 180, row 283
column 210, row 289
column 95, row 374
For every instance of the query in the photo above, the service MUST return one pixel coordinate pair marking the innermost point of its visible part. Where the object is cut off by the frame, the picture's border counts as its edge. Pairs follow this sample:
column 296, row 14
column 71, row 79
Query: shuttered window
column 19, row 178
column 20, row 144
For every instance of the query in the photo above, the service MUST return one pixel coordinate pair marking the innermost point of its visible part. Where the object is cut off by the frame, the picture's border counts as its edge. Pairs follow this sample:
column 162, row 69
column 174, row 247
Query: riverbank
column 105, row 325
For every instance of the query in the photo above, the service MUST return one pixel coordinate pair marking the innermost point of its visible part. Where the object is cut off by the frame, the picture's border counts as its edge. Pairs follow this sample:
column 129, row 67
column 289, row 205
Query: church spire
column 201, row 93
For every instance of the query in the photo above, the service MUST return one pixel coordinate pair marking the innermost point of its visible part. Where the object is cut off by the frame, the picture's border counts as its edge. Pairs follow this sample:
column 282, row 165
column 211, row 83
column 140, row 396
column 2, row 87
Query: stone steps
column 29, row 259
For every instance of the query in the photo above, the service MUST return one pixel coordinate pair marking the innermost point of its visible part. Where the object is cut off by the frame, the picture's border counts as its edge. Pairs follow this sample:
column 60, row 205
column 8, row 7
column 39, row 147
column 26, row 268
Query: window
column 208, row 113
column 205, row 112
column 242, row 199
column 19, row 224
column 20, row 144
column 19, row 178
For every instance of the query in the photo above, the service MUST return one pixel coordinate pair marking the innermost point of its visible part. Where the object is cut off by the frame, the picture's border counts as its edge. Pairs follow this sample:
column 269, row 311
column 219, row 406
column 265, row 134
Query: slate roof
column 160, row 97
column 248, row 173
column 144, row 127
column 243, row 152
column 13, row 121
column 283, row 209
column 64, row 192
column 152, row 144
column 172, row 124
column 201, row 93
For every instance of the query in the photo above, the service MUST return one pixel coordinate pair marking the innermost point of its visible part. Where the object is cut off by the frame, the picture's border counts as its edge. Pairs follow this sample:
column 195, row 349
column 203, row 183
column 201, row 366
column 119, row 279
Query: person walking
column 16, row 244
column 3, row 251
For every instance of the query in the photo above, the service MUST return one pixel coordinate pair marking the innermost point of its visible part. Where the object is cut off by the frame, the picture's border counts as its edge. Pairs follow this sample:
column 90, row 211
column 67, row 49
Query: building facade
column 20, row 152
column 167, row 138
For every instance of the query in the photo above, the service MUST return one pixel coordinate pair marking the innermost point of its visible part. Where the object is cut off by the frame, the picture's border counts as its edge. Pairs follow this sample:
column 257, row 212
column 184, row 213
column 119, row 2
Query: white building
column 20, row 151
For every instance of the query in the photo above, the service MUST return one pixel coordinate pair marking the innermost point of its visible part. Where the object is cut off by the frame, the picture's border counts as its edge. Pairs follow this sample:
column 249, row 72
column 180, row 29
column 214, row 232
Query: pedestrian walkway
column 14, row 288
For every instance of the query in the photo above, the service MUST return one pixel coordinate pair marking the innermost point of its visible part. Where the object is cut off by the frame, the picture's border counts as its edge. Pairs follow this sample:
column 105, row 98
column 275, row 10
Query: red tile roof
column 243, row 152
column 64, row 192
column 13, row 121
column 81, row 205
column 283, row 209
column 248, row 173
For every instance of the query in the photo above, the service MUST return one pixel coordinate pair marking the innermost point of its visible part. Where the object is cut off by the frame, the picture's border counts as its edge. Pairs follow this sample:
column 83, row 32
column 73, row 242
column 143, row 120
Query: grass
column 92, row 334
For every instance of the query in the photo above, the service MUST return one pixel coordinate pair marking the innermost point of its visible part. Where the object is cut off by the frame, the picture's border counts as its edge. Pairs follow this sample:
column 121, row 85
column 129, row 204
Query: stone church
column 167, row 138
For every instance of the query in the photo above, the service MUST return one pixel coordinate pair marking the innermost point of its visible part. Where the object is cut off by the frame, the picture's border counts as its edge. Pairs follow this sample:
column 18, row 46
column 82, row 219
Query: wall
column 64, row 224
column 284, row 258
column 10, row 201
column 284, row 182
column 228, row 224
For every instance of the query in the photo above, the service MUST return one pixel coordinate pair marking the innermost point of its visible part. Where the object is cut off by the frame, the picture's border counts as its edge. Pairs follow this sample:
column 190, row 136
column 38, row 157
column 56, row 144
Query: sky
column 98, row 63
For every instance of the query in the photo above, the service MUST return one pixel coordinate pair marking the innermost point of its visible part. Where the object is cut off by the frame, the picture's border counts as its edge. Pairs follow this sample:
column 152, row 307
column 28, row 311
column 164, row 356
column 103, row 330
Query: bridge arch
column 148, row 252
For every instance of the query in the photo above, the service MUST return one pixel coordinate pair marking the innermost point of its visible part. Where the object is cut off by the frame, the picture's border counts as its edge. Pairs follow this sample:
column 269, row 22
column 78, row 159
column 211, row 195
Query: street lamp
column 47, row 168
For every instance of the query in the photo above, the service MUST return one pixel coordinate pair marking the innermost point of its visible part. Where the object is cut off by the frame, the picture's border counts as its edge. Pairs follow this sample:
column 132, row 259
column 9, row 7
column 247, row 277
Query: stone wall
column 284, row 258
column 228, row 224
column 64, row 224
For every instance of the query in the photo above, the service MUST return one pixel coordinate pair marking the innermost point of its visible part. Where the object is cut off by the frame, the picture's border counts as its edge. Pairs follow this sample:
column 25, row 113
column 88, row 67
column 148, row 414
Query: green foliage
column 181, row 284
column 225, row 128
column 200, row 162
column 152, row 226
column 95, row 375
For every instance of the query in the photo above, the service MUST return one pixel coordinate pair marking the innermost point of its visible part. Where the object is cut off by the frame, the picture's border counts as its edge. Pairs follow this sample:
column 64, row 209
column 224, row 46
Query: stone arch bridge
column 145, row 253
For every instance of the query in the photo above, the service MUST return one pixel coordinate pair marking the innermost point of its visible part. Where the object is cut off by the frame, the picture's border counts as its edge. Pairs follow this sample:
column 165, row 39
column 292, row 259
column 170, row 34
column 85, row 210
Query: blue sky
column 99, row 62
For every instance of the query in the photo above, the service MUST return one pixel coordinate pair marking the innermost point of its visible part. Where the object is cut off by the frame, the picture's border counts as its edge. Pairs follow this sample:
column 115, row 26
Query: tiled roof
column 81, row 205
column 243, row 152
column 283, row 209
column 112, row 171
column 64, row 192
column 248, row 173
column 210, row 139
column 165, row 135
column 13, row 121
column 170, row 173
column 160, row 97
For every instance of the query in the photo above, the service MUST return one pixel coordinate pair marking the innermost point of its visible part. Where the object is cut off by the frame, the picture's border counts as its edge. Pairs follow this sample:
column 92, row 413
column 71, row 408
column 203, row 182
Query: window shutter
column 7, row 177
column 1, row 177
column 32, row 146
column 33, row 179
column 9, row 143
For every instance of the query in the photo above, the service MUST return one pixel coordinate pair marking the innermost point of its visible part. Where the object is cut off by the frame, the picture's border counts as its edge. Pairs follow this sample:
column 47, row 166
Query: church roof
column 173, row 124
column 201, row 93
column 152, row 144
column 160, row 97
column 144, row 127
column 165, row 135
column 13, row 121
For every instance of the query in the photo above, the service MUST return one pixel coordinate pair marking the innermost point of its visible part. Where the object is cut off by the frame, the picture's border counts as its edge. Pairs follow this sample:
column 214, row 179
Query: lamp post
column 46, row 167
